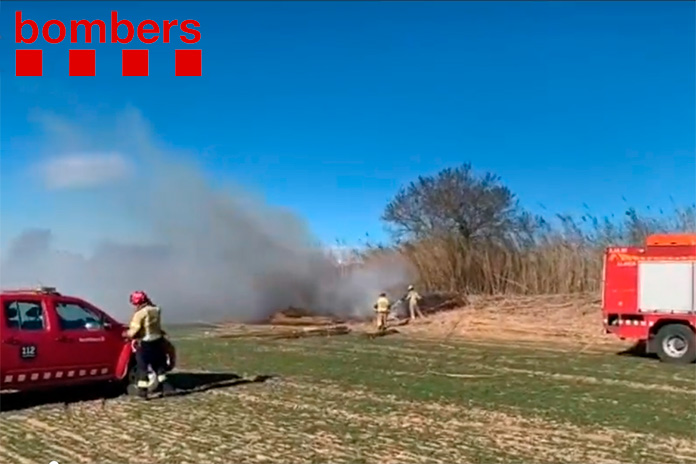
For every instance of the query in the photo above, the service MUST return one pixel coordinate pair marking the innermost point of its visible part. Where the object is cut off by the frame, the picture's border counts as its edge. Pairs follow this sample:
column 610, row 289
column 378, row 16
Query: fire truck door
column 25, row 352
column 87, row 346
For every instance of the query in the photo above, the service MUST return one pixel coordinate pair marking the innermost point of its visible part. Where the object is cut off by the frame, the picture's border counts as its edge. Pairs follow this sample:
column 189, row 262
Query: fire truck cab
column 52, row 340
column 649, row 295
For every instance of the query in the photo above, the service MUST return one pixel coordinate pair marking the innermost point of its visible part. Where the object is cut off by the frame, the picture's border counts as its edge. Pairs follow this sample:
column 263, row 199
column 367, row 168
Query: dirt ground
column 553, row 319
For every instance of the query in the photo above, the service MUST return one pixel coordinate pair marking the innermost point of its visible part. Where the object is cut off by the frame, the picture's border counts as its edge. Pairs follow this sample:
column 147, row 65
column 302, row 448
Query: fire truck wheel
column 676, row 343
column 128, row 383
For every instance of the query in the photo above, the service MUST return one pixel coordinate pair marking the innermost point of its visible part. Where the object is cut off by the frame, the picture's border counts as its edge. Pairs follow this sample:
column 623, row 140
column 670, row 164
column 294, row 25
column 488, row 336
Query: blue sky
column 327, row 108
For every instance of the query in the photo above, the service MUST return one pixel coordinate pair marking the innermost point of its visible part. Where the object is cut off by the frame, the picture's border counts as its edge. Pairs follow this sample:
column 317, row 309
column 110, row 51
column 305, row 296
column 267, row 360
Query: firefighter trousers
column 151, row 354
column 381, row 320
column 414, row 309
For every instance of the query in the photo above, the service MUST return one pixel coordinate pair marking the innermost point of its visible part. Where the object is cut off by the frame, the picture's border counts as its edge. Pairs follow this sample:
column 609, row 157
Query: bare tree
column 457, row 201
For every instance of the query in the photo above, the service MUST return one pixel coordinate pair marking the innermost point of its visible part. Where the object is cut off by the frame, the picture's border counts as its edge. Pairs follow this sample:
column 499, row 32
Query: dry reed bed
column 559, row 256
column 573, row 318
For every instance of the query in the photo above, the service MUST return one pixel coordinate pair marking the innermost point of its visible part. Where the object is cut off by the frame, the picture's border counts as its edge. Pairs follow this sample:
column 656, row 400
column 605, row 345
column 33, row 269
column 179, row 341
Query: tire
column 128, row 382
column 676, row 344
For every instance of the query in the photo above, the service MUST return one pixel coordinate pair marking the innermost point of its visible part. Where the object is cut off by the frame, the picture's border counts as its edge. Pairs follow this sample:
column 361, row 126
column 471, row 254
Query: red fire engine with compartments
column 649, row 295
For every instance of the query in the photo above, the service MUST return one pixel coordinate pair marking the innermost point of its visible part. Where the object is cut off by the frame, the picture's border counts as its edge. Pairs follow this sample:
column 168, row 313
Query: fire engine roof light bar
column 671, row 240
column 41, row 289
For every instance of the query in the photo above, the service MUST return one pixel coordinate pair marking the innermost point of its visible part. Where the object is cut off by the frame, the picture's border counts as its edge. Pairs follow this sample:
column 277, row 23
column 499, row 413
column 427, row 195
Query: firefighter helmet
column 138, row 298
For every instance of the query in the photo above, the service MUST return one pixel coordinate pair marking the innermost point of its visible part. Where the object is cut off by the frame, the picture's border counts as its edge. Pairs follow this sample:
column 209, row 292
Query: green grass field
column 394, row 399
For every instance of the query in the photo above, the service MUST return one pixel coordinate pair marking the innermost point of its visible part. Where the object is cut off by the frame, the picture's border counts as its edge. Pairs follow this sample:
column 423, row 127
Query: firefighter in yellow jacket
column 146, row 328
column 413, row 297
column 382, row 308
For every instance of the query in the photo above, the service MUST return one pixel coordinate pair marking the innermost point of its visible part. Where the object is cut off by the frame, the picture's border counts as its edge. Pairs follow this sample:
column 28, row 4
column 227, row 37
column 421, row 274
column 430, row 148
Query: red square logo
column 187, row 62
column 82, row 62
column 134, row 63
column 28, row 63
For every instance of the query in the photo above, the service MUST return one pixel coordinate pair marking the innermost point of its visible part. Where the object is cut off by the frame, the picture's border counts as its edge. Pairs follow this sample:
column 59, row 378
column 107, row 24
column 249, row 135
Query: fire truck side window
column 24, row 315
column 72, row 316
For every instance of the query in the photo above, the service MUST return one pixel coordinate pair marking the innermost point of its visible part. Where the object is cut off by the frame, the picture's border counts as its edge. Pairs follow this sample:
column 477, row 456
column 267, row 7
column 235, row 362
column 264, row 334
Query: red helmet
column 138, row 297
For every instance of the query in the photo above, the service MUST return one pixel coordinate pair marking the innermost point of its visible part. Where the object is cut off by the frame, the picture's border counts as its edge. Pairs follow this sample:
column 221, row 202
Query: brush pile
column 302, row 317
column 276, row 333
column 436, row 302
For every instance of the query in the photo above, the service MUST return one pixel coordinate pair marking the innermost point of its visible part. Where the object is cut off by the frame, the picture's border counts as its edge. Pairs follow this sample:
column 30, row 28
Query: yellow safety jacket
column 383, row 305
column 146, row 324
column 412, row 296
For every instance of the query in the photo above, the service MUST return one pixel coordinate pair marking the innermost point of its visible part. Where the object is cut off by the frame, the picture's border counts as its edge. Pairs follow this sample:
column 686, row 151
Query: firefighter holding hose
column 146, row 329
column 413, row 297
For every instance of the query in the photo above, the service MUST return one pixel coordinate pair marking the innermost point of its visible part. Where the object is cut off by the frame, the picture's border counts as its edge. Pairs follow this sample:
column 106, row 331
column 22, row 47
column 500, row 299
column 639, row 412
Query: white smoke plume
column 217, row 254
column 83, row 171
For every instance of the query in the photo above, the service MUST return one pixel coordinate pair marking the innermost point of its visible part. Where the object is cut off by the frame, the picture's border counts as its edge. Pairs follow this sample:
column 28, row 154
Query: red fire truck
column 52, row 340
column 649, row 295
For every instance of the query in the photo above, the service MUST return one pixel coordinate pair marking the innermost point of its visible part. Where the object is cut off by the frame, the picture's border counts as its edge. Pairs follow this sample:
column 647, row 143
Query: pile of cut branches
column 285, row 333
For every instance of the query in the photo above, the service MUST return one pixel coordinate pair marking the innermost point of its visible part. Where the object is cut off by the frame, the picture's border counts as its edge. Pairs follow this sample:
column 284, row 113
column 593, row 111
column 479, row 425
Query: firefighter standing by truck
column 146, row 329
column 382, row 307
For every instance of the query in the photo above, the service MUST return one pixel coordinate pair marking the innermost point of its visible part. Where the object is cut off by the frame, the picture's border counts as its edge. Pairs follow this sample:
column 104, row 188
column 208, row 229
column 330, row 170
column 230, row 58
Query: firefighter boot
column 166, row 387
column 142, row 389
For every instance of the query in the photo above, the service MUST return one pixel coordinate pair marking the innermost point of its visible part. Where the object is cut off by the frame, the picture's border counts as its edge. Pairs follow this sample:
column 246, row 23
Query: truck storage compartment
column 666, row 286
